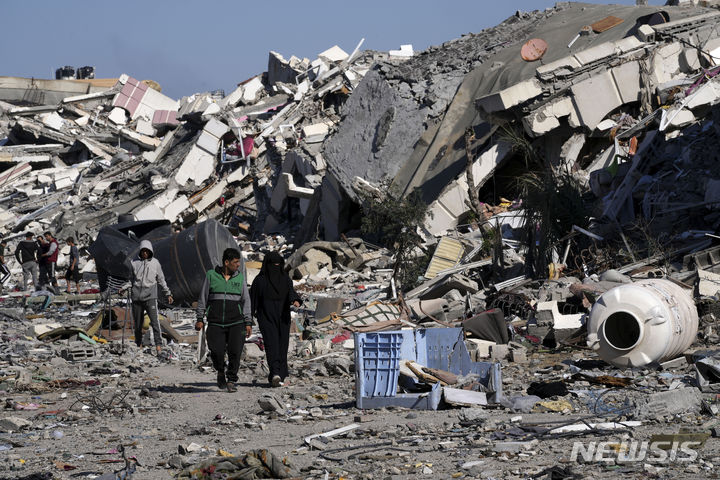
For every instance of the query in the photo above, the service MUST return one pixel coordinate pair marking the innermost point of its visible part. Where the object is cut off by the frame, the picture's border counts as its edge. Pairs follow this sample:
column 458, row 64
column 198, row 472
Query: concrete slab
column 144, row 127
column 52, row 120
column 627, row 81
column 511, row 96
column 666, row 63
column 176, row 207
column 208, row 142
column 316, row 132
column 216, row 128
column 406, row 51
column 234, row 98
column 117, row 116
column 547, row 117
column 252, row 90
column 149, row 212
column 594, row 98
column 197, row 166
column 333, row 54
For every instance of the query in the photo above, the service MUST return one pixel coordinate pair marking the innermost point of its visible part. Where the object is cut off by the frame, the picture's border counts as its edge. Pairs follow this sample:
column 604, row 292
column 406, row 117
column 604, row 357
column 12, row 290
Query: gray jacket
column 146, row 276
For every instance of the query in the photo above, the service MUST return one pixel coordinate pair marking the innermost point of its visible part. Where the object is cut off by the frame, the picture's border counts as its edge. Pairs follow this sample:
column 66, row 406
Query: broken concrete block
column 318, row 257
column 406, row 51
column 52, row 120
column 144, row 127
column 499, row 352
column 670, row 402
column 666, row 63
column 679, row 118
column 208, row 142
column 175, row 208
column 548, row 313
column 315, row 133
column 646, row 33
column 13, row 424
column 333, row 54
column 593, row 54
column 212, row 109
column 252, row 352
column 165, row 119
column 234, row 98
column 689, row 60
column 117, row 116
column 595, row 97
column 708, row 284
column 479, row 349
column 281, row 70
column 216, row 128
column 251, row 90
column 305, row 269
column 548, row 117
column 270, row 403
column 511, row 96
column 197, row 166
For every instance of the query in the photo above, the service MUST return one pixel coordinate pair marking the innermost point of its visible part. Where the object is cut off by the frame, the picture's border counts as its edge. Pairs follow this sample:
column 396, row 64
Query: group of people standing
column 38, row 258
column 227, row 306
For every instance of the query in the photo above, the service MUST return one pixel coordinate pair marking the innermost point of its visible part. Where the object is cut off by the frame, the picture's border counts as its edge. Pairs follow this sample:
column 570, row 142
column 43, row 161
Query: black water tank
column 65, row 73
column 86, row 72
column 186, row 256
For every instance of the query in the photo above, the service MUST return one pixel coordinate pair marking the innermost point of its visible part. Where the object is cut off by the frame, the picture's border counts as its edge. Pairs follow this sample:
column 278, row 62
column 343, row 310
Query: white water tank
column 648, row 321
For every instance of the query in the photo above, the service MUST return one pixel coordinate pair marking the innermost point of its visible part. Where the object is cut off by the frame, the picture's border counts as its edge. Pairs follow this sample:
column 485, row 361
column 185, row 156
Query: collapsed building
column 567, row 161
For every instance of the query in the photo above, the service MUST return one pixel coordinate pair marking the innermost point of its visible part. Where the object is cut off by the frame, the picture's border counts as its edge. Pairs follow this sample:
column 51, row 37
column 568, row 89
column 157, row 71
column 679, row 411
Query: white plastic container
column 637, row 324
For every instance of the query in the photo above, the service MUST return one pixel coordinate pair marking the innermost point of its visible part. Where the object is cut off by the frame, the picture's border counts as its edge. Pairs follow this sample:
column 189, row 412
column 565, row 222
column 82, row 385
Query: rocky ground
column 74, row 417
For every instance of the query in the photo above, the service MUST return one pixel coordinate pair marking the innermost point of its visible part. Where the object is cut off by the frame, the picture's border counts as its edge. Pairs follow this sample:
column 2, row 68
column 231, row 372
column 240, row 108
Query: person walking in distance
column 73, row 271
column 224, row 299
column 147, row 276
column 27, row 254
column 272, row 293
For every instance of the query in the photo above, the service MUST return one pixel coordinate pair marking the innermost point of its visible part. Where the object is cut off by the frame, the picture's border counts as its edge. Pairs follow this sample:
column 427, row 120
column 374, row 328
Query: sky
column 190, row 47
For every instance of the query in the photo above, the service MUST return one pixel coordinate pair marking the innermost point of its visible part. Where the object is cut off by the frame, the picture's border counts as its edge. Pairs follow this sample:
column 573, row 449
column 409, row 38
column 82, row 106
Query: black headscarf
column 275, row 276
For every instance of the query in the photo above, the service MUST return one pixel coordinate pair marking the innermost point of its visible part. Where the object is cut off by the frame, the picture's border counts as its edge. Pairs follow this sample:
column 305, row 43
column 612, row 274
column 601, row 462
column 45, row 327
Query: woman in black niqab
column 271, row 295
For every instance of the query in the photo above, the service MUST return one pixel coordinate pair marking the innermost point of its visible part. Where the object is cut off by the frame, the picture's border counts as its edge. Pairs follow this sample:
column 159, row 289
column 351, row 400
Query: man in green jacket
column 225, row 300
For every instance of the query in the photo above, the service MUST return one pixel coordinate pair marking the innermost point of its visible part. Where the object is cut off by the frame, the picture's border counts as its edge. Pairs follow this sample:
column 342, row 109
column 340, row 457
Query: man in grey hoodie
column 147, row 274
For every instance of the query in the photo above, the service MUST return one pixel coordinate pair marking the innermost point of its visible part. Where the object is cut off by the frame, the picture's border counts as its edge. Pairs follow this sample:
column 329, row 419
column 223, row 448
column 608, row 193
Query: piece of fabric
column 230, row 340
column 139, row 308
column 276, row 338
column 225, row 302
column 272, row 312
column 273, row 268
column 26, row 251
column 72, row 274
column 4, row 274
column 74, row 255
column 47, row 274
column 30, row 272
column 53, row 251
column 489, row 325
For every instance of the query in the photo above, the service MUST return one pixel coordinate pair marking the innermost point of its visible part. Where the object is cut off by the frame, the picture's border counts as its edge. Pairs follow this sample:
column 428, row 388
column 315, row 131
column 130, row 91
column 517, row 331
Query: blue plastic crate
column 377, row 366
column 378, row 356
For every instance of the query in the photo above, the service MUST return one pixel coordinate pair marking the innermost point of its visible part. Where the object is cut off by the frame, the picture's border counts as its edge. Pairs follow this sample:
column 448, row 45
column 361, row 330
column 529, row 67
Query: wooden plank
column 606, row 24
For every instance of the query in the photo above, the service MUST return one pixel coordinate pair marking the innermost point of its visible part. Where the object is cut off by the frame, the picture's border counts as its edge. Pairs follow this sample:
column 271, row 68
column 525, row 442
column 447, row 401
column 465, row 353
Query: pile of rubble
column 566, row 312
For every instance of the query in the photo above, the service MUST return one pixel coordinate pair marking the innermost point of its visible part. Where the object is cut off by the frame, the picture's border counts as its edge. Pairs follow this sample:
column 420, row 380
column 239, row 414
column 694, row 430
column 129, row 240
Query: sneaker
column 276, row 381
column 231, row 387
column 221, row 383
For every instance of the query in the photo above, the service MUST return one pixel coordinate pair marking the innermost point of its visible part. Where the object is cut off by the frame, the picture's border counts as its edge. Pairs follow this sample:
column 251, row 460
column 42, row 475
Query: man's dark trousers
column 139, row 307
column 230, row 340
